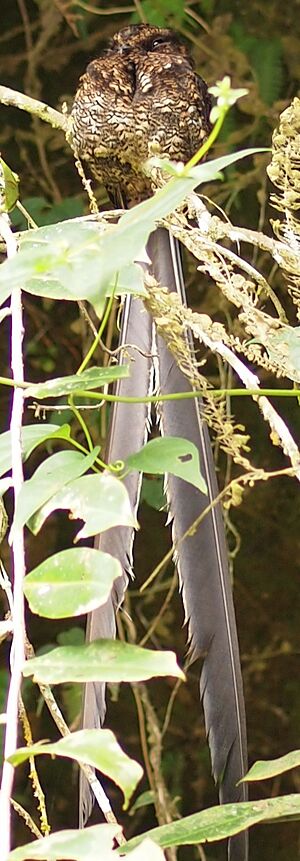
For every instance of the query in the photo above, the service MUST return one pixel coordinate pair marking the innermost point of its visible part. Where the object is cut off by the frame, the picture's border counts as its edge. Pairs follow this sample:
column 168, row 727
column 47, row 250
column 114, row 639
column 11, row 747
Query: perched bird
column 141, row 98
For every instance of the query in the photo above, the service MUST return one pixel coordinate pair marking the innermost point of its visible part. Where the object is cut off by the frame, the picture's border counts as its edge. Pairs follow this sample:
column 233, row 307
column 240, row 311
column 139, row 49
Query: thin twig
column 95, row 785
column 18, row 554
column 33, row 775
column 115, row 10
column 27, row 818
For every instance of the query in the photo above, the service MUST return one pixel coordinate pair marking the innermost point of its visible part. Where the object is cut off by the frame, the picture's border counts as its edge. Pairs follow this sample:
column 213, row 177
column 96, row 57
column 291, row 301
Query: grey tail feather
column 202, row 558
column 203, row 567
column 127, row 433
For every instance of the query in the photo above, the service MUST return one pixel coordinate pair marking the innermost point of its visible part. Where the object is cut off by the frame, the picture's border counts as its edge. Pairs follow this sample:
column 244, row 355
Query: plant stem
column 18, row 553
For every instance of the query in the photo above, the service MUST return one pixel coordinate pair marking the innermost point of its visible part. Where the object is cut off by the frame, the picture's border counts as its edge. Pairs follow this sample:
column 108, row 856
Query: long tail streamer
column 202, row 558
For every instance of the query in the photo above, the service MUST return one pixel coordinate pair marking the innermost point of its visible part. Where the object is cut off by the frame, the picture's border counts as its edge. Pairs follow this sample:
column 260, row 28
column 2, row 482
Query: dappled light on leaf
column 71, row 582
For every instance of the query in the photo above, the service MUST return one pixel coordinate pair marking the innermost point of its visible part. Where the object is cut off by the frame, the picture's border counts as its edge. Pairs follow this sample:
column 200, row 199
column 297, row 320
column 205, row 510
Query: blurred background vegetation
column 44, row 47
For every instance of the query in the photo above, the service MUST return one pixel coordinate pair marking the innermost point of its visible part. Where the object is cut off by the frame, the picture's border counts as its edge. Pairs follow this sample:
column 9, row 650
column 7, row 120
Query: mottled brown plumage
column 141, row 98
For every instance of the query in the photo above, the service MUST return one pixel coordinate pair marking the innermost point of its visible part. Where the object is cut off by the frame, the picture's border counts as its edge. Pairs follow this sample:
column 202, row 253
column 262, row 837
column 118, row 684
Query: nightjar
column 139, row 99
column 142, row 98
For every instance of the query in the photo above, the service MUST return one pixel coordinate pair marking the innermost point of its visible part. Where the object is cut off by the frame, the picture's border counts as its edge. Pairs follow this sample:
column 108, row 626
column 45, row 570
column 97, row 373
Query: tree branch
column 33, row 106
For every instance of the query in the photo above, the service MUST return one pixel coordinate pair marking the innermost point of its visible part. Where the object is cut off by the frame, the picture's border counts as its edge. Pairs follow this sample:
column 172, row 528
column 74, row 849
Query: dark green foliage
column 266, row 58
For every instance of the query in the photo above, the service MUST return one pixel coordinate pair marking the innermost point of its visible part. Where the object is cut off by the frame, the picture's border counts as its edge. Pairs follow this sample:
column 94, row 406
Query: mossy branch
column 38, row 109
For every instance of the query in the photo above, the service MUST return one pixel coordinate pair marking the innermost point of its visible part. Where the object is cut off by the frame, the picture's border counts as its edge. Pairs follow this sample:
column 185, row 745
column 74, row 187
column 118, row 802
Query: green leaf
column 102, row 501
column 32, row 435
column 266, row 57
column 73, row 260
column 102, row 660
column 58, row 261
column 153, row 493
column 96, row 747
column 264, row 769
column 43, row 212
column 170, row 455
column 146, row 851
column 92, row 843
column 88, row 843
column 92, row 378
column 163, row 13
column 11, row 186
column 64, row 261
column 132, row 231
column 217, row 823
column 72, row 582
column 143, row 800
column 56, row 471
column 130, row 280
column 73, row 636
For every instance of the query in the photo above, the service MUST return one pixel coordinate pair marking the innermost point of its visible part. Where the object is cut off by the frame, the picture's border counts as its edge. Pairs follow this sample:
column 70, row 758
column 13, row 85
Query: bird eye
column 160, row 40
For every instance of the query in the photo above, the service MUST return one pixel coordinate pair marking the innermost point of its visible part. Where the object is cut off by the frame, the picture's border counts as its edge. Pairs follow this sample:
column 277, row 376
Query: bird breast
column 133, row 105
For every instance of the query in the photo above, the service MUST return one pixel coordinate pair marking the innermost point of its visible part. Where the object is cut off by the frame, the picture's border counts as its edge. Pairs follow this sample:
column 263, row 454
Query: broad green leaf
column 130, row 280
column 77, row 262
column 146, row 851
column 102, row 660
column 48, row 478
column 88, row 844
column 32, row 435
column 266, row 58
column 170, row 455
column 217, row 823
column 153, row 493
column 102, row 501
column 159, row 13
column 92, row 378
column 73, row 636
column 264, row 769
column 59, row 261
column 64, row 261
column 43, row 212
column 96, row 747
column 72, row 582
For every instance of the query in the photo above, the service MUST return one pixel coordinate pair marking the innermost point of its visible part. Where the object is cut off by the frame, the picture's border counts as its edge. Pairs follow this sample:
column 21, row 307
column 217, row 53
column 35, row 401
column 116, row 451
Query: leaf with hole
column 101, row 500
column 170, row 454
